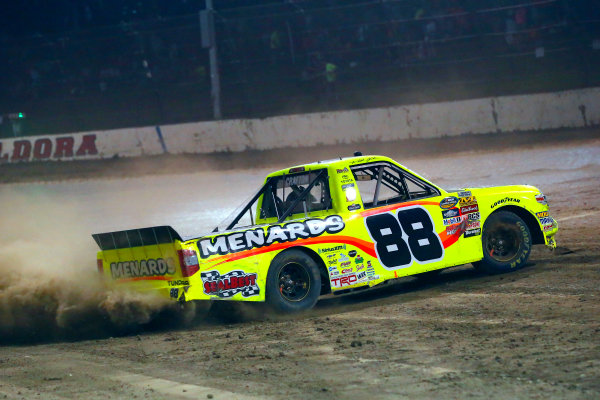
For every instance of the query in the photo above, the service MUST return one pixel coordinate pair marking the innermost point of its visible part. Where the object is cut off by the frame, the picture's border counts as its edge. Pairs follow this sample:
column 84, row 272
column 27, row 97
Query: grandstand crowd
column 71, row 51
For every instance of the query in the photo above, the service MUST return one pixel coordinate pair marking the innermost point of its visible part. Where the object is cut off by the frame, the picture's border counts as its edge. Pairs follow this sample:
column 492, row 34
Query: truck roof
column 332, row 163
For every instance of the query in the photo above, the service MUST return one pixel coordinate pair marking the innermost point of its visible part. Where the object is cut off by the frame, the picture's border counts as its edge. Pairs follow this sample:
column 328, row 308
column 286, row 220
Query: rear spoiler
column 136, row 237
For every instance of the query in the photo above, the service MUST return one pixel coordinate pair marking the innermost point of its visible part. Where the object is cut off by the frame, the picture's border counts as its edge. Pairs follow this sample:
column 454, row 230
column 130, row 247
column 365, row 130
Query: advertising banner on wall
column 56, row 148
column 568, row 109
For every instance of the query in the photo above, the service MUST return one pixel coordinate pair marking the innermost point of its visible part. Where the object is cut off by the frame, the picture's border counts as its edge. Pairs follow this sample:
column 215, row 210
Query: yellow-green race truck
column 332, row 227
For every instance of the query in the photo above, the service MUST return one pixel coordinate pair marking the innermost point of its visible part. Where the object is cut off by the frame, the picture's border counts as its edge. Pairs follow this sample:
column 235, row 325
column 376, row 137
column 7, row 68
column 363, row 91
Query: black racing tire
column 506, row 242
column 293, row 282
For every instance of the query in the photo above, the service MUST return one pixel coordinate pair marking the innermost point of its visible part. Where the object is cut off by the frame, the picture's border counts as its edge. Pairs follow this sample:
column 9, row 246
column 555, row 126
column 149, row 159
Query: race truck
column 332, row 226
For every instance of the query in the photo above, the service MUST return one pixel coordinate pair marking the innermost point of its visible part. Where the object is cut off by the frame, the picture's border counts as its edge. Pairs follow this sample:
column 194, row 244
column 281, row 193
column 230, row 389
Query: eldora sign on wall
column 48, row 148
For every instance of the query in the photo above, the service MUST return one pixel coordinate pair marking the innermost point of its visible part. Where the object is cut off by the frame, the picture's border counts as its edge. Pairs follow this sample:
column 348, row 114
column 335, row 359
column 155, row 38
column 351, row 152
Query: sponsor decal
column 174, row 293
column 359, row 267
column 346, row 271
column 473, row 225
column 334, row 273
column 259, row 237
column 473, row 232
column 540, row 198
column 352, row 253
column 353, row 207
column 349, row 191
column 344, row 257
column 331, row 256
column 505, row 200
column 448, row 202
column 452, row 221
column 341, row 171
column 229, row 284
column 369, row 264
column 142, row 268
column 361, row 276
column 344, row 264
column 332, row 262
column 330, row 249
column 178, row 283
column 50, row 148
column 467, row 201
column 453, row 212
column 542, row 214
column 358, row 260
column 469, row 209
column 344, row 179
column 548, row 227
column 546, row 221
column 464, row 193
column 451, row 230
column 473, row 216
column 332, row 269
column 373, row 277
column 342, row 281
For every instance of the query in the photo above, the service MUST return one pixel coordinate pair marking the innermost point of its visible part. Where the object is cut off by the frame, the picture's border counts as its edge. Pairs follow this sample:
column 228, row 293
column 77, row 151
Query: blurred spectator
column 331, row 82
column 275, row 45
column 96, row 46
column 510, row 29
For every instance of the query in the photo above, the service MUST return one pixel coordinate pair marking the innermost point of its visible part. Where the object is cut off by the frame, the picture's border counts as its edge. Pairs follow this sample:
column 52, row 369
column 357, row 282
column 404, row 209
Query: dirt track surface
column 534, row 333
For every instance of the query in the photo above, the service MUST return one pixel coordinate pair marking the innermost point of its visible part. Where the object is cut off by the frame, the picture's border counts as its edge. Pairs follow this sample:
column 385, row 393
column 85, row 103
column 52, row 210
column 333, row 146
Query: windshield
column 282, row 198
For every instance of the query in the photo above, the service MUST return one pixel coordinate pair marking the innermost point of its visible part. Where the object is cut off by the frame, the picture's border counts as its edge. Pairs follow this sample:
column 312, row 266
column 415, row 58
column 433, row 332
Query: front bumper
column 549, row 232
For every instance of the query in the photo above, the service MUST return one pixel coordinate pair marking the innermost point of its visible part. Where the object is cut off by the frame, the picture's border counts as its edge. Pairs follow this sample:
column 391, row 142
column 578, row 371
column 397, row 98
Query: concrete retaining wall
column 569, row 109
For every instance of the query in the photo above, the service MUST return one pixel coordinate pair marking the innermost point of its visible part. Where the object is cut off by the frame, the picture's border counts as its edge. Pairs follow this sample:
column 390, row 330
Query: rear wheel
column 293, row 282
column 506, row 243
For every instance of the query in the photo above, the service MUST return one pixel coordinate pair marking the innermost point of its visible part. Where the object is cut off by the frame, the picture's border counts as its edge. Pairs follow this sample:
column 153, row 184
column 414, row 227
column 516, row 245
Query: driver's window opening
column 289, row 196
column 300, row 194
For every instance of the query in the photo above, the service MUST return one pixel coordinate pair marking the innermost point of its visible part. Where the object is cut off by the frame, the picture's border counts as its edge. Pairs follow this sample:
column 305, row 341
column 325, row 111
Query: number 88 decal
column 408, row 235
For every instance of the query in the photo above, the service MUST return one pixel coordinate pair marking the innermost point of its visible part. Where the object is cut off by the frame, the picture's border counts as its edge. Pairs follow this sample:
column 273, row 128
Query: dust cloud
column 49, row 285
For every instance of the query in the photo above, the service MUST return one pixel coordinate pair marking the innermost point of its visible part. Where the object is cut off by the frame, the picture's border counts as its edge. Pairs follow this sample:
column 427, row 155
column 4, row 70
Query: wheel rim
column 503, row 242
column 294, row 282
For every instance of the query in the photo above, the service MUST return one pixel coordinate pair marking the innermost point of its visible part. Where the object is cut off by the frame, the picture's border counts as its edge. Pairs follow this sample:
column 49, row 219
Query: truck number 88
column 408, row 235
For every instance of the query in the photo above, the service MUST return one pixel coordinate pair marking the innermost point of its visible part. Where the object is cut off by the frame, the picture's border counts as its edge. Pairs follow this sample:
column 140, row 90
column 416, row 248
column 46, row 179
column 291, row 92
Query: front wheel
column 293, row 282
column 506, row 243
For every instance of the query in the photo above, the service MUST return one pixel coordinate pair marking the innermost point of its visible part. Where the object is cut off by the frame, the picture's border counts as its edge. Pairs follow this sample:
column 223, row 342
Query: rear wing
column 136, row 237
